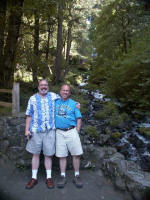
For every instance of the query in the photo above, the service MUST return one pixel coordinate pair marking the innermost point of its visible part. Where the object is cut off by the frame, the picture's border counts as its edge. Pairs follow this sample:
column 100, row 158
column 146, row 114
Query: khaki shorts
column 68, row 141
column 42, row 141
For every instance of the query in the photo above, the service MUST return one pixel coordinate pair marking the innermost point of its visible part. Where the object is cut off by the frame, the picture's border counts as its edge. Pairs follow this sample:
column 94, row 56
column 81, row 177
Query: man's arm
column 27, row 126
column 79, row 122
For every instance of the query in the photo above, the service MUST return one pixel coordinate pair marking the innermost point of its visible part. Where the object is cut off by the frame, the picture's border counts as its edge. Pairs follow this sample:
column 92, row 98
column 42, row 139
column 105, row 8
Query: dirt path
column 96, row 186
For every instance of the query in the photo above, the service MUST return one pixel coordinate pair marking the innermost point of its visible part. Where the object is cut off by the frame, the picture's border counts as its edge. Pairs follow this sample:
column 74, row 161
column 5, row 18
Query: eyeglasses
column 43, row 85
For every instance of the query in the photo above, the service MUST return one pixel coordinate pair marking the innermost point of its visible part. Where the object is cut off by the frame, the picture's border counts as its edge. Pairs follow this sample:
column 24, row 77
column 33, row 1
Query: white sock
column 63, row 174
column 49, row 173
column 34, row 173
column 76, row 173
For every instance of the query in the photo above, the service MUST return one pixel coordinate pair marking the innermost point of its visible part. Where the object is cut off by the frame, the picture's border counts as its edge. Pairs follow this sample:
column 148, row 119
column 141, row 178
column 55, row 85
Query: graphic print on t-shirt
column 62, row 111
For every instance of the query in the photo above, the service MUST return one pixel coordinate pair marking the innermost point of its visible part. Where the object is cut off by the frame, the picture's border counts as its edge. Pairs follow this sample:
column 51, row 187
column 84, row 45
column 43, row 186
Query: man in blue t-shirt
column 68, row 125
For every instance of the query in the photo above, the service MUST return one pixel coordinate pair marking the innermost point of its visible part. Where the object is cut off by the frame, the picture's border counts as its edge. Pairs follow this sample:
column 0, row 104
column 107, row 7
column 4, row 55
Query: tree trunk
column 129, row 36
column 11, row 42
column 3, row 5
column 130, row 42
column 48, row 40
column 124, row 43
column 69, row 40
column 124, row 37
column 58, row 61
column 47, row 49
column 36, row 49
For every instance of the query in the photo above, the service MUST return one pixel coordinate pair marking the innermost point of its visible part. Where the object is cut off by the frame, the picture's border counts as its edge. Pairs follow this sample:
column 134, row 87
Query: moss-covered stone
column 116, row 135
column 100, row 115
column 145, row 131
column 107, row 131
column 91, row 131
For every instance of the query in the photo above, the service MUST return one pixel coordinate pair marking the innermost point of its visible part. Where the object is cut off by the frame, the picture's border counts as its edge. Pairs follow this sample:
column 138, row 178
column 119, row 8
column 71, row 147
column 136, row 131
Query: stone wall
column 12, row 141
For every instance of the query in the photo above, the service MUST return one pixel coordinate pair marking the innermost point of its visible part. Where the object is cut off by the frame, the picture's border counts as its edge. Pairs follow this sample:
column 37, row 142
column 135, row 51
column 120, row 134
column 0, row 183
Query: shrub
column 91, row 131
column 111, row 113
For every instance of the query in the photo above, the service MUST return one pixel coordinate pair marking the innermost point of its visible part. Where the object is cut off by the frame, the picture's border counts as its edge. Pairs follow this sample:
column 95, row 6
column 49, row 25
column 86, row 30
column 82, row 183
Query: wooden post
column 15, row 99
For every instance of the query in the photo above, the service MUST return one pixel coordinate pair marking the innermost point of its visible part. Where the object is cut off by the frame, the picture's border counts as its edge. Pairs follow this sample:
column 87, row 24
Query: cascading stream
column 133, row 145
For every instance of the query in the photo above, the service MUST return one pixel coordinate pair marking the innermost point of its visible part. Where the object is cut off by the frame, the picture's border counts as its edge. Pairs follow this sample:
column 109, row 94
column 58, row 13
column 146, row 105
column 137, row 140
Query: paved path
column 96, row 186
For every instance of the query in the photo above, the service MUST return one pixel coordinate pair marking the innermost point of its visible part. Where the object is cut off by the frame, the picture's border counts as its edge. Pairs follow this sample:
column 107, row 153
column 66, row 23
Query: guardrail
column 15, row 99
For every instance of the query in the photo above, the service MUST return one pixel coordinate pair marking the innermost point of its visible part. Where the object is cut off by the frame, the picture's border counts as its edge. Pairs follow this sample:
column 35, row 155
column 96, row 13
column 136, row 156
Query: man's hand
column 78, row 105
column 28, row 135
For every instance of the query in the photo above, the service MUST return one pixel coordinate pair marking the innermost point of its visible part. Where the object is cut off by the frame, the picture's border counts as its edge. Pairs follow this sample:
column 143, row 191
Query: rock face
column 127, row 175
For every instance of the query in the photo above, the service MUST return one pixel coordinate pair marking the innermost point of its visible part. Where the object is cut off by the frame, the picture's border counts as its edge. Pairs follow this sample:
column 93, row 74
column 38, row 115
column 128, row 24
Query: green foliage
column 91, row 131
column 108, row 109
column 130, row 77
column 145, row 131
column 5, row 111
column 75, row 14
column 78, row 96
column 122, row 37
column 111, row 113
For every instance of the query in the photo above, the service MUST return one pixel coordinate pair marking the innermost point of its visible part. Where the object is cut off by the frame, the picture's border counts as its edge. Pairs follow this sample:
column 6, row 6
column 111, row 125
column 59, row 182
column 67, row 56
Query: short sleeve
column 29, row 110
column 54, row 96
column 77, row 113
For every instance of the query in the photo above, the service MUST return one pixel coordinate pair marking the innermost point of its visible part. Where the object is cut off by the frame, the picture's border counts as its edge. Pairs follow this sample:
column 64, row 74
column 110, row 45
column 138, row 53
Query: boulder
column 103, row 139
column 127, row 175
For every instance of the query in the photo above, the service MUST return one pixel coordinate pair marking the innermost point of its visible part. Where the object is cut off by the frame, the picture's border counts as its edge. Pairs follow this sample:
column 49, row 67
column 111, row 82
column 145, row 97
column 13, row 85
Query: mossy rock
column 116, row 135
column 115, row 121
column 125, row 117
column 100, row 115
column 91, row 131
column 108, row 131
column 145, row 131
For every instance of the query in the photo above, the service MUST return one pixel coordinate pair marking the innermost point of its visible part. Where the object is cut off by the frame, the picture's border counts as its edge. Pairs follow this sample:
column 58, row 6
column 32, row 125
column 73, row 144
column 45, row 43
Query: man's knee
column 62, row 158
column 36, row 155
column 76, row 156
column 48, row 157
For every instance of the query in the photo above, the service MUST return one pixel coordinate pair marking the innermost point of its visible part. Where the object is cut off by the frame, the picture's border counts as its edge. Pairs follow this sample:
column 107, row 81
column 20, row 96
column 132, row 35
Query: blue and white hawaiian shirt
column 42, row 111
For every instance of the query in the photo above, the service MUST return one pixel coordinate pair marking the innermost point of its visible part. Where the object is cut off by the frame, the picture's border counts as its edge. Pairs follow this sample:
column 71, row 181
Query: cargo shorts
column 68, row 141
column 44, row 141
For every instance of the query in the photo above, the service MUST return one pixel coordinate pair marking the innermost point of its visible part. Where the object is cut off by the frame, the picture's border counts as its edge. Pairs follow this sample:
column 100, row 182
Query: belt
column 66, row 129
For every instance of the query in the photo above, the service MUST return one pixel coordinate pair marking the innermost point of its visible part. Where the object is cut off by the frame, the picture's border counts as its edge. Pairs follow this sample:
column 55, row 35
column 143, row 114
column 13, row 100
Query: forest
column 101, row 48
column 68, row 41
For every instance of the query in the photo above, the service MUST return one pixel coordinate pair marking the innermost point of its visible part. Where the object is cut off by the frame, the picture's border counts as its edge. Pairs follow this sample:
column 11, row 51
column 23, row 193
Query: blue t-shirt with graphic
column 66, row 113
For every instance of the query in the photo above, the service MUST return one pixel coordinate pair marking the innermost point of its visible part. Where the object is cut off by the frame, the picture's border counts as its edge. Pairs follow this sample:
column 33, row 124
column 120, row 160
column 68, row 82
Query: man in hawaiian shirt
column 40, row 131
